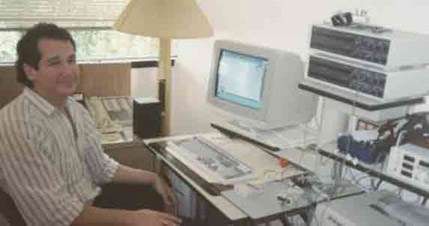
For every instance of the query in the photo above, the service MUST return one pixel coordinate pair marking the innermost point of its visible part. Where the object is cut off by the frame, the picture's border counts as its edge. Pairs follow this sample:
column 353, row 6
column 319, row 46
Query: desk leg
column 284, row 220
column 378, row 184
column 249, row 222
column 246, row 222
column 161, row 169
column 156, row 164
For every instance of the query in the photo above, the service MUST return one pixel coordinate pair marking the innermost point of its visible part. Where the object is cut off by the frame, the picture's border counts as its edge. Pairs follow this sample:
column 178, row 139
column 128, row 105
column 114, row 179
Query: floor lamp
column 166, row 20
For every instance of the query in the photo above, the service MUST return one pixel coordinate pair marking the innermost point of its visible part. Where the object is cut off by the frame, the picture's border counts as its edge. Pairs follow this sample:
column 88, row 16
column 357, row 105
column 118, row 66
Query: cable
column 338, row 168
column 400, row 136
column 357, row 181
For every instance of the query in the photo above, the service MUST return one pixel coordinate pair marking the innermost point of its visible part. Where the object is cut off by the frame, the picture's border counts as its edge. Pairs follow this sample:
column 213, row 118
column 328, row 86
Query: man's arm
column 98, row 216
column 125, row 174
column 94, row 215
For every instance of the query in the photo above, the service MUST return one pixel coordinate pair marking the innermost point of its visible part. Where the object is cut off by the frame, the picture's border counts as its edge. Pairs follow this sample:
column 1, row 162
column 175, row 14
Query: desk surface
column 256, row 206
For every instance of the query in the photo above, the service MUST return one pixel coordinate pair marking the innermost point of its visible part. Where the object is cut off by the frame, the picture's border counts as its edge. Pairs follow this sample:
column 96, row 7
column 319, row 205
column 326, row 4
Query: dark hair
column 28, row 51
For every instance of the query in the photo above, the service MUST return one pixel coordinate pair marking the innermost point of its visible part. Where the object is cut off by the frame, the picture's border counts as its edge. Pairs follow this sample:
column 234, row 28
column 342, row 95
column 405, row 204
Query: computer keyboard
column 213, row 163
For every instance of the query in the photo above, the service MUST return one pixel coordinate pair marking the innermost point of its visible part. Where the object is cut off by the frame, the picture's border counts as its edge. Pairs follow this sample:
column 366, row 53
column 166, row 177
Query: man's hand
column 125, row 174
column 167, row 194
column 145, row 217
column 154, row 218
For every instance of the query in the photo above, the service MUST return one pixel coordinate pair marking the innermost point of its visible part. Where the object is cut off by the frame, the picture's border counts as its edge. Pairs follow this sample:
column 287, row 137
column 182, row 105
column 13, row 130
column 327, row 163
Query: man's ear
column 30, row 72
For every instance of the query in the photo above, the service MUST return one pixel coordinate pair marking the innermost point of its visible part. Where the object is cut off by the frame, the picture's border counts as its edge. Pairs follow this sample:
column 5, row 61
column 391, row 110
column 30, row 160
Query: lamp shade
column 168, row 19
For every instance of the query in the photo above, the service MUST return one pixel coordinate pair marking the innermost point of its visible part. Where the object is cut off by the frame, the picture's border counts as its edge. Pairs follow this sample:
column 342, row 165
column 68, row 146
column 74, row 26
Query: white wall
column 280, row 24
column 144, row 82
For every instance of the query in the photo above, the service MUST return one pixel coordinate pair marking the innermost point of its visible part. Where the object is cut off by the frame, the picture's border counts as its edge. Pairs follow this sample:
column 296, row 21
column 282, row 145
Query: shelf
column 375, row 173
column 360, row 101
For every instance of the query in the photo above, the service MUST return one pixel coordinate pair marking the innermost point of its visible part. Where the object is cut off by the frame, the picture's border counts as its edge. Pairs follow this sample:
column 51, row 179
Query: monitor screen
column 240, row 78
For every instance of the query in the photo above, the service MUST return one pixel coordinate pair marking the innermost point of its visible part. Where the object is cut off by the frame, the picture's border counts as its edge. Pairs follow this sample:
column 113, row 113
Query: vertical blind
column 16, row 14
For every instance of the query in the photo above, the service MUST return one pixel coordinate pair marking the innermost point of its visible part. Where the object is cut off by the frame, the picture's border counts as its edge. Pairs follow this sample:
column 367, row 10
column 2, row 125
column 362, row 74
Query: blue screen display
column 240, row 78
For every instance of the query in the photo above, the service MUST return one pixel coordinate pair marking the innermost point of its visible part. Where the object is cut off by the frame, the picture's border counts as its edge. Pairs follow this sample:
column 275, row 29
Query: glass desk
column 267, row 201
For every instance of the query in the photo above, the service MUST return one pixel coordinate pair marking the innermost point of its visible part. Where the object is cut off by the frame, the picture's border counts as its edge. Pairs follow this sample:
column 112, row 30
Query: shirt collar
column 42, row 104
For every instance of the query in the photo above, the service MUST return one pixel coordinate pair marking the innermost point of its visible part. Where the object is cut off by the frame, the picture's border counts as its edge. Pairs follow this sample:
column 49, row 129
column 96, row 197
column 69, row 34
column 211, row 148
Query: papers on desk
column 113, row 118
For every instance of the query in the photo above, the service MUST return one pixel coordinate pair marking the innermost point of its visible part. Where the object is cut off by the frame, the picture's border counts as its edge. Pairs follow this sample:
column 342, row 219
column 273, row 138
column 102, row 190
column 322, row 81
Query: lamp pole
column 164, row 72
column 166, row 20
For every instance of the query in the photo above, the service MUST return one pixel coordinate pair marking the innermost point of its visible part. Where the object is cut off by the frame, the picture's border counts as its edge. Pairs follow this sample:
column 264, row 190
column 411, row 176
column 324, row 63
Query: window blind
column 17, row 14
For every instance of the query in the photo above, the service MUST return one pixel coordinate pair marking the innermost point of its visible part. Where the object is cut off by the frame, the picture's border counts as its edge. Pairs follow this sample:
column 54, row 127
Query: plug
column 283, row 198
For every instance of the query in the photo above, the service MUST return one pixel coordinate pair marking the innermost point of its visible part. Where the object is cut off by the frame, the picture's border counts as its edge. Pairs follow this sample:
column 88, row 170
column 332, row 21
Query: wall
column 280, row 24
column 143, row 82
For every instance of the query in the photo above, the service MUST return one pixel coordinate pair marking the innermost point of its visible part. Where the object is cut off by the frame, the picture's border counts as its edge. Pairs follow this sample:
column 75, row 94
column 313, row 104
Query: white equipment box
column 374, row 45
column 410, row 163
column 370, row 82
column 353, row 211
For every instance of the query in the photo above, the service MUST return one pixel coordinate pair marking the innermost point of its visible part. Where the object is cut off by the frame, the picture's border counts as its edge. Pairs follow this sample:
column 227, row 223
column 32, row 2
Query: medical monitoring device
column 371, row 61
column 369, row 44
column 368, row 81
column 410, row 163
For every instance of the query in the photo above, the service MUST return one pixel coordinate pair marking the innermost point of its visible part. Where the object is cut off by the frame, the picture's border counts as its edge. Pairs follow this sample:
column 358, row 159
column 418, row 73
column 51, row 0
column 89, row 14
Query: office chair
column 9, row 211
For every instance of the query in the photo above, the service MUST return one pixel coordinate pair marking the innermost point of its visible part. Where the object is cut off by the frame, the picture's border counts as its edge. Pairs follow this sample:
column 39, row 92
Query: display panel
column 240, row 78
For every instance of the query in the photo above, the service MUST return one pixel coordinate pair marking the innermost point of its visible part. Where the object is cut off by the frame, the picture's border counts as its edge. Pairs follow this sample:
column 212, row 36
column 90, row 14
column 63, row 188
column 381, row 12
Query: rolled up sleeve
column 102, row 167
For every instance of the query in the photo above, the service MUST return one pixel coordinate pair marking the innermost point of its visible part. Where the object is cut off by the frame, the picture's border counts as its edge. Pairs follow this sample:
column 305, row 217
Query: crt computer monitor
column 258, row 86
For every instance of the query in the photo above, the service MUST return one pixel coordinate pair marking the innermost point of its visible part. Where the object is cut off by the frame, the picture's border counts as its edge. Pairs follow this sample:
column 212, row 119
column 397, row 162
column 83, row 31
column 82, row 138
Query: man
column 51, row 160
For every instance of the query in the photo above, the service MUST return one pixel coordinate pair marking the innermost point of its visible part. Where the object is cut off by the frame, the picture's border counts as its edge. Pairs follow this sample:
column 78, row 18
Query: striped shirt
column 50, row 169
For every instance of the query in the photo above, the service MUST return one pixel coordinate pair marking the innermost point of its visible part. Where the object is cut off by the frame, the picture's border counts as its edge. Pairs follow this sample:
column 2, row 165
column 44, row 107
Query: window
column 8, row 40
column 92, row 45
column 113, row 45
column 89, row 21
column 66, row 13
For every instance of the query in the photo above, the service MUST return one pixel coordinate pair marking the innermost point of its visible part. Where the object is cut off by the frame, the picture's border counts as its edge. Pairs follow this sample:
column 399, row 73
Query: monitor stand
column 274, row 139
column 241, row 126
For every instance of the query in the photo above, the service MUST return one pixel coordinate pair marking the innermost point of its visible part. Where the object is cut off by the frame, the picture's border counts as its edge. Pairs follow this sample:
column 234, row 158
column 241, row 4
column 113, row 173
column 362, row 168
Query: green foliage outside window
column 91, row 45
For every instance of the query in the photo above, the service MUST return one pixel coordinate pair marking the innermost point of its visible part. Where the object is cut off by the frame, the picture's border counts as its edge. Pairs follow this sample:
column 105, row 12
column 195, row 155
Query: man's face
column 57, row 76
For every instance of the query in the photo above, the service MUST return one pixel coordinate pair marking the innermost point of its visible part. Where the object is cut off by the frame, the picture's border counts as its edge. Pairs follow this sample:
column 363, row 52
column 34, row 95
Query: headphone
column 342, row 19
